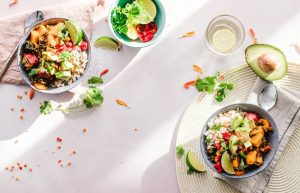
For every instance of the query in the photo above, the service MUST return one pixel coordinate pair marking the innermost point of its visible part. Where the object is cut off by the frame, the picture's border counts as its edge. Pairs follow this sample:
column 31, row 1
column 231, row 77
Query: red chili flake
column 252, row 33
column 59, row 161
column 104, row 72
column 20, row 167
column 12, row 3
column 31, row 93
column 58, row 139
column 22, row 109
column 30, row 170
column 187, row 85
column 25, row 165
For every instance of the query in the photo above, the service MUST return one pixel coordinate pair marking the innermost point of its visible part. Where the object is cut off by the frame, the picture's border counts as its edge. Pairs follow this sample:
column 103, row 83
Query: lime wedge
column 107, row 43
column 131, row 32
column 75, row 31
column 147, row 11
column 193, row 163
column 226, row 163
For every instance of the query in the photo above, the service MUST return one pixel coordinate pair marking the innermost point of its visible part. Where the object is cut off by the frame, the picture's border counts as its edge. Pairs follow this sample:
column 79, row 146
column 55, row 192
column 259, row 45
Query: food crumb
column 22, row 109
column 21, row 117
column 30, row 169
column 12, row 109
column 84, row 130
column 25, row 165
column 18, row 178
column 25, row 92
column 19, row 97
column 59, row 147
column 221, row 77
column 6, row 168
column 59, row 161
column 73, row 152
column 136, row 129
column 16, row 141
column 69, row 163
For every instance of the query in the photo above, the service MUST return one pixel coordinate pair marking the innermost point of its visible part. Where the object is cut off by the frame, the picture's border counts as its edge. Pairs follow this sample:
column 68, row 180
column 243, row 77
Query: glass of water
column 225, row 35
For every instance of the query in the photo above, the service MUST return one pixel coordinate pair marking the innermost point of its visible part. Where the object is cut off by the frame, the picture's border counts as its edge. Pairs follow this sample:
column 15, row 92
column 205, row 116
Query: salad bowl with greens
column 137, row 23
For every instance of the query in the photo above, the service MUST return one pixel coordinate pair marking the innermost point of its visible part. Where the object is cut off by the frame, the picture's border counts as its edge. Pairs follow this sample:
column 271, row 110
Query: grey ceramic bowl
column 51, row 90
column 273, row 138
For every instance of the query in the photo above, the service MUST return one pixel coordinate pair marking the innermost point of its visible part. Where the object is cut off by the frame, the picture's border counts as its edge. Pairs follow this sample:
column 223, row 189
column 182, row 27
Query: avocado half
column 253, row 52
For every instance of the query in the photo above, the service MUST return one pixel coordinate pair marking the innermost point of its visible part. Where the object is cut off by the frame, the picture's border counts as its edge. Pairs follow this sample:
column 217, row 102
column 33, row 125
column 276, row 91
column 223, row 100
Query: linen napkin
column 286, row 115
column 79, row 11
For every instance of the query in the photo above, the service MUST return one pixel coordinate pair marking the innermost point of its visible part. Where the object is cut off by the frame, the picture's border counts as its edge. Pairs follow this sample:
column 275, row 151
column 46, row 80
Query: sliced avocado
column 233, row 143
column 66, row 65
column 64, row 75
column 236, row 122
column 251, row 124
column 254, row 52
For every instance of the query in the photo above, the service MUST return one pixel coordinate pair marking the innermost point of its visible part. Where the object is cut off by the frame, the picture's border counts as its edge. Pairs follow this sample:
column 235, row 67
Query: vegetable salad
column 237, row 141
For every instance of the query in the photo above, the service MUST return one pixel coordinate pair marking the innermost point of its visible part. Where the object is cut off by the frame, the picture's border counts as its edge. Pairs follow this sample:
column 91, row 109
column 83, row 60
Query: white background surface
column 112, row 157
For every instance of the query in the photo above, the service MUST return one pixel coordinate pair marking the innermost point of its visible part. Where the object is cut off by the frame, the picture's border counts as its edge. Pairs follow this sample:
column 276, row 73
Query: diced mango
column 251, row 157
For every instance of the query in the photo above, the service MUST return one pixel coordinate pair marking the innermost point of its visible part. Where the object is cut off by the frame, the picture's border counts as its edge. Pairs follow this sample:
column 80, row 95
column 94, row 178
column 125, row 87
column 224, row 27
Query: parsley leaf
column 95, row 80
column 46, row 108
column 92, row 97
column 179, row 151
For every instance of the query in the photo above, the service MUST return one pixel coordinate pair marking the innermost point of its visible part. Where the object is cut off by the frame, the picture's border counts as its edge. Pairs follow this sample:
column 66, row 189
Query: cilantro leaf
column 206, row 84
column 179, row 151
column 216, row 127
column 95, row 80
column 92, row 97
column 221, row 91
column 46, row 108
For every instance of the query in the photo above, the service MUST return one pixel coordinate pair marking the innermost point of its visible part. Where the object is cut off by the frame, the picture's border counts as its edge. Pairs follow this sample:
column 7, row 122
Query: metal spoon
column 267, row 97
column 29, row 22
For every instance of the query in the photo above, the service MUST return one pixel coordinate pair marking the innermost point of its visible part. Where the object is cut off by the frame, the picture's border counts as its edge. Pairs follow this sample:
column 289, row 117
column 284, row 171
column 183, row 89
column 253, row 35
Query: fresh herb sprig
column 211, row 84
column 179, row 151
column 92, row 97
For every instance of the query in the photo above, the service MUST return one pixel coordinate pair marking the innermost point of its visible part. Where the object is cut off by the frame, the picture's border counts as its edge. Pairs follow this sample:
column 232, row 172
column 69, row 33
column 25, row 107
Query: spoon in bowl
column 29, row 22
column 268, row 96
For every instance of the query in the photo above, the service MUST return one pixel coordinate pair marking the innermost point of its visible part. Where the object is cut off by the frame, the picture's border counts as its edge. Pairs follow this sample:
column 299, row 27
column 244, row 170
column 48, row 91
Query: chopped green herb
column 46, row 108
column 216, row 127
column 206, row 84
column 189, row 171
column 92, row 97
column 95, row 80
column 179, row 151
column 221, row 91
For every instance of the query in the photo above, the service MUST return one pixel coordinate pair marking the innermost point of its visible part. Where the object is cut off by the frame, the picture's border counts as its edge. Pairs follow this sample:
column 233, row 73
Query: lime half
column 147, row 11
column 75, row 31
column 226, row 163
column 107, row 43
column 193, row 163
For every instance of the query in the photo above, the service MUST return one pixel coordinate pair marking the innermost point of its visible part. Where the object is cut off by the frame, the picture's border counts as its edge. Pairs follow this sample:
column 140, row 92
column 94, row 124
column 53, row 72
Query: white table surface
column 112, row 157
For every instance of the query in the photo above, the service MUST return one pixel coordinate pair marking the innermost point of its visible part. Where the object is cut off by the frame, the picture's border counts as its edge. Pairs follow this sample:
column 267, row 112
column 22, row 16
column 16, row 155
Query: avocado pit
column 268, row 62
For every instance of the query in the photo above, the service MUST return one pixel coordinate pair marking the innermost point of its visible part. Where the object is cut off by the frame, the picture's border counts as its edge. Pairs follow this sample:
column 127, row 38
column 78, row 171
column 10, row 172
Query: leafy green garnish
column 223, row 144
column 92, row 97
column 208, row 85
column 46, row 108
column 33, row 72
column 122, row 16
column 64, row 55
column 179, row 151
column 221, row 91
column 189, row 171
column 95, row 80
column 119, row 20
column 216, row 127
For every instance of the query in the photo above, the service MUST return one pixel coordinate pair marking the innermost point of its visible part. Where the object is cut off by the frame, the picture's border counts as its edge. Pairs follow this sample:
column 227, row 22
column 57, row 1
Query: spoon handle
column 8, row 61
